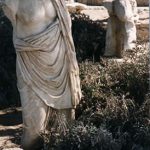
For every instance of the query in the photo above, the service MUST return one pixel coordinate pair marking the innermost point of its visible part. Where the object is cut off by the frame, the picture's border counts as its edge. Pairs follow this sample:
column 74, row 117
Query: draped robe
column 47, row 65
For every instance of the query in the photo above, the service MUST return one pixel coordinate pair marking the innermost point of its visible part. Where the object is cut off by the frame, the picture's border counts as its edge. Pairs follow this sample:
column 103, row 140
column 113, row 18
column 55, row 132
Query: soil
column 10, row 118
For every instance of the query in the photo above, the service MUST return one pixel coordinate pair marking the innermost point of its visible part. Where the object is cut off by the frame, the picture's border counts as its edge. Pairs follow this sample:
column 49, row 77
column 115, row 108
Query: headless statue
column 121, row 30
column 46, row 65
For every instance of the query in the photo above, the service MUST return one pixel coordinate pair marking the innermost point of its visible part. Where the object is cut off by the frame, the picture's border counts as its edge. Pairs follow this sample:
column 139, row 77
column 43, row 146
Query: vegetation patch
column 114, row 111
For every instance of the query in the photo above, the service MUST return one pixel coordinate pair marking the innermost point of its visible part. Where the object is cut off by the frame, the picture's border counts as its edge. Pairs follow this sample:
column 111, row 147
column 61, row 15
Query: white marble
column 121, row 30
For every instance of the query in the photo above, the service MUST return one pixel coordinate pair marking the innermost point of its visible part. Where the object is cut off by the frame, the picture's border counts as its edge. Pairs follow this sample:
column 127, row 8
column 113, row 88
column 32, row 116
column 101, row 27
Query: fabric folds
column 46, row 63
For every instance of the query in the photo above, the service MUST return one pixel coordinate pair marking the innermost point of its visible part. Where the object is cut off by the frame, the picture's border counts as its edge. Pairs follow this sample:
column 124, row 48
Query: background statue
column 121, row 30
column 46, row 65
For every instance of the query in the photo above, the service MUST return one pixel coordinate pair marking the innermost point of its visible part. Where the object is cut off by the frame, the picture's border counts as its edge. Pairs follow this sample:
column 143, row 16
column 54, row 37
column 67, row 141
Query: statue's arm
column 135, row 10
column 10, row 8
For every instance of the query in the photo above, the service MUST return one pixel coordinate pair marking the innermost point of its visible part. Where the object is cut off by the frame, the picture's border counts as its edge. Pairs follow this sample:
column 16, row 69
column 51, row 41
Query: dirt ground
column 10, row 119
column 10, row 128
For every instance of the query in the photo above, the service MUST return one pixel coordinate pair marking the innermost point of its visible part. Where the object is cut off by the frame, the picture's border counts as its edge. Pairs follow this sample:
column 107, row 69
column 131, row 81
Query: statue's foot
column 130, row 46
column 32, row 144
column 110, row 55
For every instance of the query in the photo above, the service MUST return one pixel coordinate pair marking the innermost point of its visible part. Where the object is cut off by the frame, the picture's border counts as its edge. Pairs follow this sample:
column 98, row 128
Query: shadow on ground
column 11, row 118
column 10, row 128
column 14, row 135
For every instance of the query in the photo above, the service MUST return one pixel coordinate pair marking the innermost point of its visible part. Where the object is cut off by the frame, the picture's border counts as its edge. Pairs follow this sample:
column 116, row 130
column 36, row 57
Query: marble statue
column 46, row 65
column 121, row 30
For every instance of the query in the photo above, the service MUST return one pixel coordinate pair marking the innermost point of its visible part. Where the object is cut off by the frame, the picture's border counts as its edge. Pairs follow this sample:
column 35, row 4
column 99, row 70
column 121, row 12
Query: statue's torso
column 31, row 16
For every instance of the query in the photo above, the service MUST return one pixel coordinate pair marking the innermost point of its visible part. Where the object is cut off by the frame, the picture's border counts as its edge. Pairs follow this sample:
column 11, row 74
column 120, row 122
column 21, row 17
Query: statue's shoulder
column 12, row 5
column 10, row 8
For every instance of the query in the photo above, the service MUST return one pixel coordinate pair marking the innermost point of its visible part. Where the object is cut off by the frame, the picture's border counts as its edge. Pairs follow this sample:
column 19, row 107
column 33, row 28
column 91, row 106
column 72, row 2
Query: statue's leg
column 130, row 34
column 115, row 37
column 34, row 114
column 120, row 35
column 110, row 49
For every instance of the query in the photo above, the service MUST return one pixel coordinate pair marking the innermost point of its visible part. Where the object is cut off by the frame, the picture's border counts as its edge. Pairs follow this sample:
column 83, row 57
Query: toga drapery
column 46, row 63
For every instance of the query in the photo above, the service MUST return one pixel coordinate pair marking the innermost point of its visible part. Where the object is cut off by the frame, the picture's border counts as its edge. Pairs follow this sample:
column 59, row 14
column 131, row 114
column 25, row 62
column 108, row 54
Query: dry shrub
column 115, row 109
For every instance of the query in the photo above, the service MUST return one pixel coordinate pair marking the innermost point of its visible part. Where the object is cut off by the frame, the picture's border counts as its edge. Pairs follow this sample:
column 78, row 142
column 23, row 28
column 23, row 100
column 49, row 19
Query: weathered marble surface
column 121, row 29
